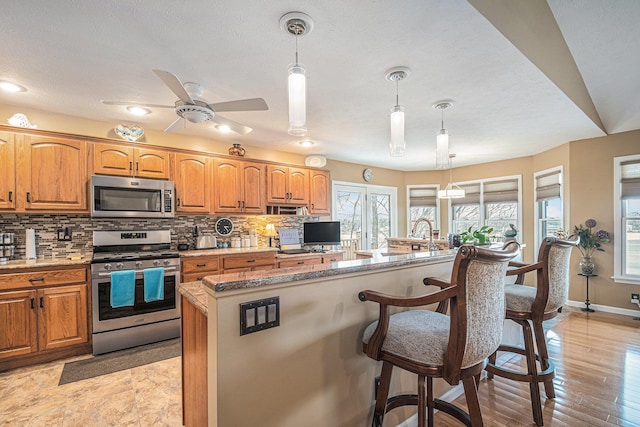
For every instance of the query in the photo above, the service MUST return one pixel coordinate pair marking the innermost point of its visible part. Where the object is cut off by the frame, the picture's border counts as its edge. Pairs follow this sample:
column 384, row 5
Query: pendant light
column 297, row 24
column 397, row 144
column 452, row 191
column 442, row 140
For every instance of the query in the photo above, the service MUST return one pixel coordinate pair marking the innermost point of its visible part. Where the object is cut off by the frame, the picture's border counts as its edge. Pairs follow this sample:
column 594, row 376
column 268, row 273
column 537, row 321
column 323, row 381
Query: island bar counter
column 309, row 370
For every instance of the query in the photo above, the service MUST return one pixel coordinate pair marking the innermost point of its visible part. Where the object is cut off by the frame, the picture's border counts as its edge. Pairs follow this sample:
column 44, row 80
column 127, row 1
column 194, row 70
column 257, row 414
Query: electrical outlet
column 635, row 297
column 64, row 234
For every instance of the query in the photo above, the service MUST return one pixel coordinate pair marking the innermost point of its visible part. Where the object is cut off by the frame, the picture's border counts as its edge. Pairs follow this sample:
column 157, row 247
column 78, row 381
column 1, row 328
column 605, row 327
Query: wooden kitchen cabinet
column 297, row 261
column 319, row 192
column 52, row 174
column 192, row 177
column 123, row 160
column 195, row 268
column 332, row 257
column 287, row 185
column 44, row 316
column 248, row 262
column 7, row 171
column 239, row 187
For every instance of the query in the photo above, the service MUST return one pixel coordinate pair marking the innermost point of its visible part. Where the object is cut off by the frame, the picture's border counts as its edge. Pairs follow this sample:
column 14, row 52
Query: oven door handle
column 102, row 273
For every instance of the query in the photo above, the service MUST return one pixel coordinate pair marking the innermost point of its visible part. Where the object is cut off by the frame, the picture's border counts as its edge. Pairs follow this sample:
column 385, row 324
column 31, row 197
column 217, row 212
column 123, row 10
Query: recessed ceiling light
column 223, row 128
column 11, row 87
column 306, row 143
column 138, row 111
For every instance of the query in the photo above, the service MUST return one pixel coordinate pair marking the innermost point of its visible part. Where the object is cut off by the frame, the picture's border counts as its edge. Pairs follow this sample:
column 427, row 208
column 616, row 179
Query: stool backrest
column 478, row 309
column 553, row 277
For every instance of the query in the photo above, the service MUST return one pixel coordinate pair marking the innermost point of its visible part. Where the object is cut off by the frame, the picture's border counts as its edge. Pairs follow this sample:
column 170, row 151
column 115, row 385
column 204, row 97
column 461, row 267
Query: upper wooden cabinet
column 122, row 160
column 52, row 174
column 238, row 186
column 7, row 171
column 286, row 185
column 192, row 177
column 319, row 193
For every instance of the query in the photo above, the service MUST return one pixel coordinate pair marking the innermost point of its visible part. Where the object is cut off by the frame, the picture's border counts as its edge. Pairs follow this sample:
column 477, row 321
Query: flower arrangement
column 590, row 241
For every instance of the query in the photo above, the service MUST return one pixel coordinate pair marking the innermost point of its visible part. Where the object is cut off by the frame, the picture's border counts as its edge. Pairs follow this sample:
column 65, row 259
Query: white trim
column 625, row 280
column 438, row 224
column 536, row 214
column 606, row 308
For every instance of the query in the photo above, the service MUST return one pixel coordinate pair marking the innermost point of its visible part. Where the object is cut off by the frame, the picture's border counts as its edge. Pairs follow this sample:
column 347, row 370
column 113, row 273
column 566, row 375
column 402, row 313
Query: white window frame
column 482, row 205
column 618, row 248
column 536, row 209
column 436, row 226
column 368, row 190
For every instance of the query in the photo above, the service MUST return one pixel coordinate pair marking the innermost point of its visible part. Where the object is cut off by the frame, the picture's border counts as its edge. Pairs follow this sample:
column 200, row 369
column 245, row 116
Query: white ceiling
column 70, row 54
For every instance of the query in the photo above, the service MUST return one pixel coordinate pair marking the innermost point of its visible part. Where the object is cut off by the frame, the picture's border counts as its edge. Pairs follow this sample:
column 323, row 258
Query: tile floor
column 148, row 395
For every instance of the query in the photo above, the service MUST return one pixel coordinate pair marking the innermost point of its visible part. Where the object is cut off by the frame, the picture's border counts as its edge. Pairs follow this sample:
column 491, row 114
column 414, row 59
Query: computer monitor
column 321, row 233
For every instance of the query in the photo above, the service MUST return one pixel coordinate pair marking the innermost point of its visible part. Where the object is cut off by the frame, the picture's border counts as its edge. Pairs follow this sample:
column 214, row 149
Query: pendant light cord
column 296, row 48
column 397, row 98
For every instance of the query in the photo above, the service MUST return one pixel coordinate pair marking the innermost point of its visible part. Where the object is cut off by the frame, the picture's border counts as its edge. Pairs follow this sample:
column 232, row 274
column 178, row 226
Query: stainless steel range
column 116, row 328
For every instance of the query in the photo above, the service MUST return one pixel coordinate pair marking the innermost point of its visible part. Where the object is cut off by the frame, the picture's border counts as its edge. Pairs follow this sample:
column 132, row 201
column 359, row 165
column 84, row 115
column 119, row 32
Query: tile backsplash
column 83, row 226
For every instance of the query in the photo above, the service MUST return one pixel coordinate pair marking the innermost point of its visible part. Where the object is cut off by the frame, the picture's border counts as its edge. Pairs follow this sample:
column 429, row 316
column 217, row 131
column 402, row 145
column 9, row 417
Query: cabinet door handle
column 37, row 279
column 28, row 197
column 136, row 167
column 251, row 260
column 130, row 166
column 300, row 262
column 238, row 204
column 178, row 201
column 33, row 303
column 243, row 205
column 11, row 196
column 41, row 302
column 201, row 265
column 313, row 206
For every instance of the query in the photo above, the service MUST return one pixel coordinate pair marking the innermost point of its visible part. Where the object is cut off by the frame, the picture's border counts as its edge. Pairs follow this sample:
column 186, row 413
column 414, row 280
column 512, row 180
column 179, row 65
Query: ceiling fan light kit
column 397, row 144
column 297, row 24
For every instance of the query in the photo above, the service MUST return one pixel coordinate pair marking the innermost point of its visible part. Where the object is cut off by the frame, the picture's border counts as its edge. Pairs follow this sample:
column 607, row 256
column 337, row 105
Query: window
column 422, row 201
column 367, row 213
column 626, row 191
column 492, row 202
column 548, row 206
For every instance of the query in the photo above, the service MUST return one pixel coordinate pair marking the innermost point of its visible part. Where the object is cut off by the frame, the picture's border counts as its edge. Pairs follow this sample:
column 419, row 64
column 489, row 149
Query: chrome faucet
column 431, row 246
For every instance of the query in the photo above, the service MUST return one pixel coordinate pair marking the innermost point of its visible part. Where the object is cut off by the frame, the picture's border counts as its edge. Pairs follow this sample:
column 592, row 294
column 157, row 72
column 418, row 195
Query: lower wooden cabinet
column 298, row 261
column 194, row 269
column 42, row 320
column 332, row 257
column 248, row 262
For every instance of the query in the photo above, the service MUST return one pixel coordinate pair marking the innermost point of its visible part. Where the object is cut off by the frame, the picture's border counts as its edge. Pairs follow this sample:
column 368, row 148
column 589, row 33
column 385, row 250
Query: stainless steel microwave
column 114, row 196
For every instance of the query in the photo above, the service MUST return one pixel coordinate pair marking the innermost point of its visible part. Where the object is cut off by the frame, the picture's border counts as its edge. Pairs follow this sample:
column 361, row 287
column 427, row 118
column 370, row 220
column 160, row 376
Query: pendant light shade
column 452, row 191
column 397, row 144
column 442, row 139
column 297, row 101
column 297, row 24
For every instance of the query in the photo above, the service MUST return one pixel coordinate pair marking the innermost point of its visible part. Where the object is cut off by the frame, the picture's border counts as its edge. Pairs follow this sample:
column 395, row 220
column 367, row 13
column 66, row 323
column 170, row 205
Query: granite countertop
column 253, row 279
column 17, row 264
column 194, row 292
column 227, row 251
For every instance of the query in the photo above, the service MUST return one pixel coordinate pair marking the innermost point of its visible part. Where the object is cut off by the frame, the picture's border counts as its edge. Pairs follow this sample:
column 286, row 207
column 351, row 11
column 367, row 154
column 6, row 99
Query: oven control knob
column 156, row 262
column 138, row 264
column 107, row 266
column 166, row 262
column 120, row 265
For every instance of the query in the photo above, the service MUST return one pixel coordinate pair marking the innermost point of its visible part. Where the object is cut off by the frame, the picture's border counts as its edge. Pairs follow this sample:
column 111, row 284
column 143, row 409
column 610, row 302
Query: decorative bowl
column 130, row 134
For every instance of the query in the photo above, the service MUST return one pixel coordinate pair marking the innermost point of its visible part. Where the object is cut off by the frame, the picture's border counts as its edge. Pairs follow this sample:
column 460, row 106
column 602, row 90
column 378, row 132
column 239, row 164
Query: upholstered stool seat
column 434, row 345
column 529, row 306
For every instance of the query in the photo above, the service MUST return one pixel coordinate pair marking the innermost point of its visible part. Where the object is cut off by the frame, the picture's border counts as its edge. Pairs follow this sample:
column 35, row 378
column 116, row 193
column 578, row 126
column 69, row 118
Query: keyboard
column 294, row 251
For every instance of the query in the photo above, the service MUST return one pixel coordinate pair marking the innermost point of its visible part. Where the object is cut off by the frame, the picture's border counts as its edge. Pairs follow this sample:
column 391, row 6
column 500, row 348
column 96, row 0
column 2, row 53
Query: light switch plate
column 259, row 315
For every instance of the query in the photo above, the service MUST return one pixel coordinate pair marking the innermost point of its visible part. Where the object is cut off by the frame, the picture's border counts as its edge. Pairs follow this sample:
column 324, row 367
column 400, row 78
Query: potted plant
column 480, row 237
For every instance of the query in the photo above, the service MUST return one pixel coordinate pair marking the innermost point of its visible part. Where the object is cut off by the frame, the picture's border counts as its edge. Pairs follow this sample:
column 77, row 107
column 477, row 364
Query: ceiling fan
column 191, row 107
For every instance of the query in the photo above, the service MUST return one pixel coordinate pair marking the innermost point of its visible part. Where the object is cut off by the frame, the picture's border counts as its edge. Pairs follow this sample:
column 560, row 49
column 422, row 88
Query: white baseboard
column 605, row 308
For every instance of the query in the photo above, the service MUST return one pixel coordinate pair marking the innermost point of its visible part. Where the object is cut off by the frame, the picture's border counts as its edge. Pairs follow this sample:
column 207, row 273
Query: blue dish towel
column 153, row 284
column 123, row 288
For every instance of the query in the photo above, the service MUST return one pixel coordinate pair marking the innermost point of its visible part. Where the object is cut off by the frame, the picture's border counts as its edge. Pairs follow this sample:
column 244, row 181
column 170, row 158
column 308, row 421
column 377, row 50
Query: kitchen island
column 308, row 369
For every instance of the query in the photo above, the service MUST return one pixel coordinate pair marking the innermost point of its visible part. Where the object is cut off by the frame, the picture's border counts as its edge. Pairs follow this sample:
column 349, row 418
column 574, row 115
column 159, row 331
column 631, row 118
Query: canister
column 246, row 241
column 236, row 242
column 8, row 251
column 8, row 238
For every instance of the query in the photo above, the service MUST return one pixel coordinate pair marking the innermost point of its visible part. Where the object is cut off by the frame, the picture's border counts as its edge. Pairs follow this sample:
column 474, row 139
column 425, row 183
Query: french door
column 367, row 213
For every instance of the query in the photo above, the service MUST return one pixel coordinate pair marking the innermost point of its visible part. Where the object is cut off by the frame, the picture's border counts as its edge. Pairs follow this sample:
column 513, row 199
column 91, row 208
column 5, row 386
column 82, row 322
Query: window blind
column 548, row 186
column 501, row 191
column 630, row 180
column 423, row 196
column 471, row 195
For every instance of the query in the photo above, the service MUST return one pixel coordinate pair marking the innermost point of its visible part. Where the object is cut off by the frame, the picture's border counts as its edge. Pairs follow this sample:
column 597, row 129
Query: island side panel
column 310, row 370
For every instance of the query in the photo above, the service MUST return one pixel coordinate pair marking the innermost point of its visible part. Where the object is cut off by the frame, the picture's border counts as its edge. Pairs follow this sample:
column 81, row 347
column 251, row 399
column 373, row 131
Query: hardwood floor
column 597, row 358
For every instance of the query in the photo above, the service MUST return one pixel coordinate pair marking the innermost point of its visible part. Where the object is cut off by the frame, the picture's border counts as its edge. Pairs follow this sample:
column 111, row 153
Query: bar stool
column 527, row 306
column 434, row 345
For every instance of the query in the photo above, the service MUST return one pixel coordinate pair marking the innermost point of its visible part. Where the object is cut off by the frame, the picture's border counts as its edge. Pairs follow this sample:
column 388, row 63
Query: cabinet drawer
column 200, row 264
column 195, row 277
column 296, row 262
column 329, row 258
column 246, row 269
column 42, row 278
column 248, row 260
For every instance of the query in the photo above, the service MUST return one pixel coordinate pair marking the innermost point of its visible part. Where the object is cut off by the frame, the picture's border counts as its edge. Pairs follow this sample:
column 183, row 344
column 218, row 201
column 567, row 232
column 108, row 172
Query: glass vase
column 586, row 265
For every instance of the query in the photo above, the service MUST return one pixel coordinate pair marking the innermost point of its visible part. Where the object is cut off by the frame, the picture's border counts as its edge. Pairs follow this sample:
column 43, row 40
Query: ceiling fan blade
column 178, row 124
column 253, row 104
column 234, row 126
column 136, row 104
column 175, row 85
